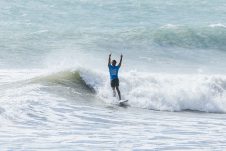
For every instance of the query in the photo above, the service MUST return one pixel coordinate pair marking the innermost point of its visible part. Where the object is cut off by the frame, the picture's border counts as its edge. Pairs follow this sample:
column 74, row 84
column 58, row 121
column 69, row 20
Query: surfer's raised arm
column 109, row 60
column 120, row 61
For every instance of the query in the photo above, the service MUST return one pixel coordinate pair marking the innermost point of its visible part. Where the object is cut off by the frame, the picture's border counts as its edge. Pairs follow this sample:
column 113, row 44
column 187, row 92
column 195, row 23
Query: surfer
column 113, row 69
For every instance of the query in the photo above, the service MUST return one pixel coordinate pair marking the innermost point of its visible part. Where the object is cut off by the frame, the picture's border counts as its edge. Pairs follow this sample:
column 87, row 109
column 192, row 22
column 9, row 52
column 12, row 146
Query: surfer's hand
column 110, row 55
column 121, row 55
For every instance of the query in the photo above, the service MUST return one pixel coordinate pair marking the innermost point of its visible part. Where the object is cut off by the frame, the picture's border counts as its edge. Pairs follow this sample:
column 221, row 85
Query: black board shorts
column 115, row 82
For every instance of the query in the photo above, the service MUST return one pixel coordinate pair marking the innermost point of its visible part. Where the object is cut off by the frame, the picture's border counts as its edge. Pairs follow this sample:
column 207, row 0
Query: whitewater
column 55, row 84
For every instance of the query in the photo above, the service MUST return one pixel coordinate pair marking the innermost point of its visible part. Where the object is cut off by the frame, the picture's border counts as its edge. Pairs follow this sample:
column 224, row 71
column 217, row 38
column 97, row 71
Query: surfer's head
column 113, row 62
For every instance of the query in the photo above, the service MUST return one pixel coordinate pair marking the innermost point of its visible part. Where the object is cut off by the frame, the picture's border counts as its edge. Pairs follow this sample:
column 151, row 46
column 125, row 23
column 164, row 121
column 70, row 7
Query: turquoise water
column 55, row 92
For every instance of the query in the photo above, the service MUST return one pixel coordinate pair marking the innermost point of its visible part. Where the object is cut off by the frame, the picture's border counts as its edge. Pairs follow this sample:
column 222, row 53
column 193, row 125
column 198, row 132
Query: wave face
column 70, row 79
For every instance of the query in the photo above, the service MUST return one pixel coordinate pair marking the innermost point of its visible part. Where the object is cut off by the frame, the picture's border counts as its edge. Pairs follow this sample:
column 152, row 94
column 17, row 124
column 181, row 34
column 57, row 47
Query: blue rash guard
column 113, row 71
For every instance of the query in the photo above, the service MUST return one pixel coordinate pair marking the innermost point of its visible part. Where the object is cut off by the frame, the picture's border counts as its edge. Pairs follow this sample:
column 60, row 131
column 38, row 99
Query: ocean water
column 54, row 80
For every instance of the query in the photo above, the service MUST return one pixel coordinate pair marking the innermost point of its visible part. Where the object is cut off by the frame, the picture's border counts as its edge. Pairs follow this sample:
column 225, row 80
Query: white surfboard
column 123, row 102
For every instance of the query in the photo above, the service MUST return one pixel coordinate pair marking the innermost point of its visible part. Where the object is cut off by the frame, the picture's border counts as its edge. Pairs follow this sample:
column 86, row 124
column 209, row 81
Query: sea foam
column 168, row 92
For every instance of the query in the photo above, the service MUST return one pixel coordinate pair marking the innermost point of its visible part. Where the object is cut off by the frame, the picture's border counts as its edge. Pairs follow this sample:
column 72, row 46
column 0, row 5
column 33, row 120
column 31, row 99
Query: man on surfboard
column 113, row 69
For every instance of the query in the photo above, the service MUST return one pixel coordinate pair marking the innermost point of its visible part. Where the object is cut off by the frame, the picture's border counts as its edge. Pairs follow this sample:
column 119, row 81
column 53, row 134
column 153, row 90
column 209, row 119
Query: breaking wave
column 166, row 92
